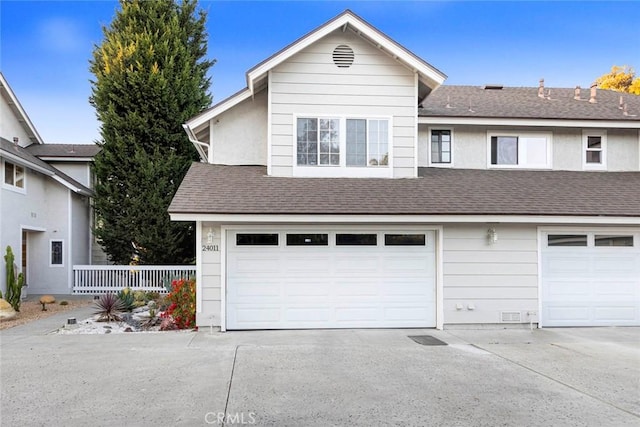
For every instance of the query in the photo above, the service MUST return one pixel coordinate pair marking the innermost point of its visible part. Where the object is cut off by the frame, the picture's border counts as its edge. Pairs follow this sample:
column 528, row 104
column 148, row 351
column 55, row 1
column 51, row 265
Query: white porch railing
column 103, row 279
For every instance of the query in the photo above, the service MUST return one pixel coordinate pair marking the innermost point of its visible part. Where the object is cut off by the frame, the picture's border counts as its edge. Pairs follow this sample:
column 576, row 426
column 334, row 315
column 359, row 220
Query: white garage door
column 330, row 279
column 591, row 279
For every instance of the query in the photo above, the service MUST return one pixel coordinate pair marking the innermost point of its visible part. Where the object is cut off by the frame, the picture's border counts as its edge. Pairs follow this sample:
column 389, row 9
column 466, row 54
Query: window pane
column 259, row 239
column 356, row 142
column 594, row 142
column 56, row 253
column 614, row 240
column 329, row 136
column 307, row 141
column 504, row 150
column 593, row 157
column 535, row 149
column 19, row 176
column 356, row 239
column 378, row 143
column 307, row 239
column 404, row 239
column 567, row 240
column 8, row 173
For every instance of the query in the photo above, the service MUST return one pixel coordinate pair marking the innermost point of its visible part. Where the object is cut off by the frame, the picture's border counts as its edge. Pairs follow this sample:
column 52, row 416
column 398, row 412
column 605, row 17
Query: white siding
column 211, row 269
column 375, row 85
column 239, row 135
column 486, row 279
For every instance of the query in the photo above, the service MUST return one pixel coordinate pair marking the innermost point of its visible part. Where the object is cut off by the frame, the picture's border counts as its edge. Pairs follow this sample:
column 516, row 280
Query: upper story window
column 594, row 149
column 350, row 143
column 519, row 150
column 14, row 175
column 441, row 147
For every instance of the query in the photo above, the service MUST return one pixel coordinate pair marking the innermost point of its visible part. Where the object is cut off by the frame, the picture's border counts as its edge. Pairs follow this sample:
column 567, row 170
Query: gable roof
column 22, row 156
column 346, row 20
column 524, row 103
column 438, row 191
column 12, row 100
column 67, row 151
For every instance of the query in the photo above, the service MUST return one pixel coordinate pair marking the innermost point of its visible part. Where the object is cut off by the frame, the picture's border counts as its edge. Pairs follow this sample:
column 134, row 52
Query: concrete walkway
column 512, row 377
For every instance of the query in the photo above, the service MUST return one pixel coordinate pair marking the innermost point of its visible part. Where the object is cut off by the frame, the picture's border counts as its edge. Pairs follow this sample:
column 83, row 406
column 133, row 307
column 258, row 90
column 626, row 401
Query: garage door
column 591, row 279
column 330, row 279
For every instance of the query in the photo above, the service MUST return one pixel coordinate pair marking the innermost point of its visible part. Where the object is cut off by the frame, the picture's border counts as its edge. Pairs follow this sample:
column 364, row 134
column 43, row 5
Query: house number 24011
column 210, row 248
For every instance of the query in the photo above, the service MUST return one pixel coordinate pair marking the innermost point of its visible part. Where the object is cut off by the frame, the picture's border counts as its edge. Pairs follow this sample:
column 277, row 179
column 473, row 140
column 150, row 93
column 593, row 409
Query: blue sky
column 45, row 46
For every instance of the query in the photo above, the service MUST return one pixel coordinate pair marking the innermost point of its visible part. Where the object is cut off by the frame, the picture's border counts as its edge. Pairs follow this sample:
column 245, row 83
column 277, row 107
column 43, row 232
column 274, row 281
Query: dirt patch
column 32, row 310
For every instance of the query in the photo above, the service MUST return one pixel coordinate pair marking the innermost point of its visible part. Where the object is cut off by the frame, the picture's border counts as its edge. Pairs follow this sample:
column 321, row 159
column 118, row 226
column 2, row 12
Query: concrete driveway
column 567, row 377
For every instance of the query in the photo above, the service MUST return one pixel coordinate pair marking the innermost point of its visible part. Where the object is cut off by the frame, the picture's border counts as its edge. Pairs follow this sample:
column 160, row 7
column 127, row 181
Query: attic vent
column 492, row 87
column 343, row 56
column 510, row 316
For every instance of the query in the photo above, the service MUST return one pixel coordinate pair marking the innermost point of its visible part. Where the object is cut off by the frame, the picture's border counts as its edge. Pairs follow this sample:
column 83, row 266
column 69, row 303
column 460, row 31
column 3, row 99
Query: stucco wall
column 10, row 127
column 239, row 135
column 42, row 211
column 470, row 147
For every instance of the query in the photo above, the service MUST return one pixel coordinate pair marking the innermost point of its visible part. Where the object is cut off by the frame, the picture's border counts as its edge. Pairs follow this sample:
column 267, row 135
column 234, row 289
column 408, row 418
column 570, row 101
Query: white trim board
column 404, row 219
column 499, row 121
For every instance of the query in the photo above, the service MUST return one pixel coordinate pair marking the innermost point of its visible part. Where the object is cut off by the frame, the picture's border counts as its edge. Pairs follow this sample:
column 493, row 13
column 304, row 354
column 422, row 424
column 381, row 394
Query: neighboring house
column 346, row 188
column 45, row 213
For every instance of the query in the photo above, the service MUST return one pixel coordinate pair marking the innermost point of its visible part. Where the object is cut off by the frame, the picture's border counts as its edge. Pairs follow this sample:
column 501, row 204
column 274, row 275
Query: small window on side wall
column 441, row 147
column 594, row 147
column 13, row 175
column 56, row 253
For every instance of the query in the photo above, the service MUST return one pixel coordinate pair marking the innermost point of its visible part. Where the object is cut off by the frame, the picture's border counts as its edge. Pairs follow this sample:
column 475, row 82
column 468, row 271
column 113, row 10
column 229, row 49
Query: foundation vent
column 510, row 316
column 343, row 56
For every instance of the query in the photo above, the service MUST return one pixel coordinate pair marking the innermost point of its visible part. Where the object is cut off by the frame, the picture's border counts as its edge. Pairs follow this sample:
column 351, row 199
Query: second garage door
column 591, row 278
column 330, row 279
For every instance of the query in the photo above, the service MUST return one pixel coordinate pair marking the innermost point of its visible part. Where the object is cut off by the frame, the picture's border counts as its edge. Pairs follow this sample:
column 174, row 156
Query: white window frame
column 440, row 128
column 522, row 154
column 14, row 187
column 51, row 264
column 603, row 149
column 342, row 170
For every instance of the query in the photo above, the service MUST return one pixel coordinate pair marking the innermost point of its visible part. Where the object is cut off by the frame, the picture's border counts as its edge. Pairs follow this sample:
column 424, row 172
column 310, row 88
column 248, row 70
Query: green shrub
column 127, row 298
column 64, row 303
column 14, row 284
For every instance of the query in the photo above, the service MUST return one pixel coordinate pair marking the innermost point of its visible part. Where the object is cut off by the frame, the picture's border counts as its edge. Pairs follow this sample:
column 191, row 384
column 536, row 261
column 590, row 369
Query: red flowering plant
column 182, row 304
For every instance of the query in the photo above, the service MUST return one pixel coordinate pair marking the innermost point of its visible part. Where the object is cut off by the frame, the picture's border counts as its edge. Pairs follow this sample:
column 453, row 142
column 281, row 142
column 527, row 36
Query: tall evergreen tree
column 150, row 77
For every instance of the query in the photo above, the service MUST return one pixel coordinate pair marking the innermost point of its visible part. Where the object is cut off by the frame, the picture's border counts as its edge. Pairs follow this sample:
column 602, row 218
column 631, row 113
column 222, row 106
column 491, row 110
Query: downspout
column 204, row 155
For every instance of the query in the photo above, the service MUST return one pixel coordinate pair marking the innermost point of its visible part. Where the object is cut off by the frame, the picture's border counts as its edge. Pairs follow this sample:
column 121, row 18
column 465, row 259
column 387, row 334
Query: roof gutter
column 200, row 146
column 23, row 162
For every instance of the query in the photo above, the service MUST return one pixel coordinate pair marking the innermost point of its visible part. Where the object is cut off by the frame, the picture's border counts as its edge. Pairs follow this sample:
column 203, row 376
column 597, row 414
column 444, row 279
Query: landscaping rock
column 6, row 311
column 47, row 299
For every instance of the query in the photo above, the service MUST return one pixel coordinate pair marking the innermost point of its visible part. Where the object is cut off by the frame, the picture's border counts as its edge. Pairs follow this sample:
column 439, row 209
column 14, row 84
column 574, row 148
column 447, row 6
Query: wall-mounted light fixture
column 210, row 236
column 492, row 235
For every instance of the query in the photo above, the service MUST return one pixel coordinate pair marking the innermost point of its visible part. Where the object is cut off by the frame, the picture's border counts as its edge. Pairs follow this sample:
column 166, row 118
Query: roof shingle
column 216, row 189
column 523, row 102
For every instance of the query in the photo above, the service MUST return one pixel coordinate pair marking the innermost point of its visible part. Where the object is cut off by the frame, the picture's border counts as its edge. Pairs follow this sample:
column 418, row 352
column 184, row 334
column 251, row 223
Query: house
column 347, row 187
column 45, row 215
